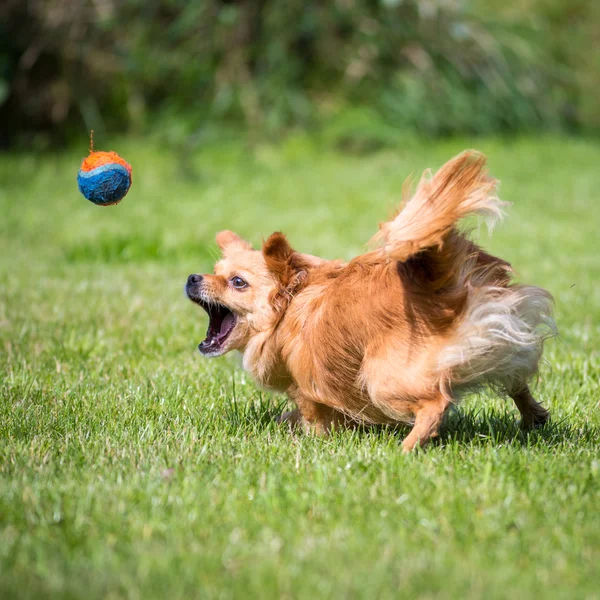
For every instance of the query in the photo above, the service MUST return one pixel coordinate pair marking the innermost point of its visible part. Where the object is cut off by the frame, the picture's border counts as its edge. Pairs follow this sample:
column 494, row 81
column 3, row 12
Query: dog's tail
column 500, row 337
column 460, row 188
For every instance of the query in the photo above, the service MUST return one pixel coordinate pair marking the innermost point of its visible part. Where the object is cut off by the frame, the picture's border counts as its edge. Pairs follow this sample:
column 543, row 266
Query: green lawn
column 132, row 467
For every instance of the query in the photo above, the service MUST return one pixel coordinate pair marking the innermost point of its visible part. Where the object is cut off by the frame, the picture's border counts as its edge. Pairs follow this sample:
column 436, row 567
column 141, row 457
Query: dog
column 395, row 335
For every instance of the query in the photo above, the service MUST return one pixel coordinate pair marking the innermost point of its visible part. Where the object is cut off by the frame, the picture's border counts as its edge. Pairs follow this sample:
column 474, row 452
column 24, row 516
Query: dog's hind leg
column 428, row 418
column 532, row 412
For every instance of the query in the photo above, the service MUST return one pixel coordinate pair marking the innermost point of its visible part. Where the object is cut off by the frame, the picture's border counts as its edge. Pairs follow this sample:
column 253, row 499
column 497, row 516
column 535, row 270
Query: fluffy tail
column 500, row 338
column 460, row 188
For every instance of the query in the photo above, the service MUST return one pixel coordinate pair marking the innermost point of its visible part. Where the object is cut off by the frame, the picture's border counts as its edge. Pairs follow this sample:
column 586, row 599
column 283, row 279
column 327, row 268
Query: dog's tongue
column 227, row 323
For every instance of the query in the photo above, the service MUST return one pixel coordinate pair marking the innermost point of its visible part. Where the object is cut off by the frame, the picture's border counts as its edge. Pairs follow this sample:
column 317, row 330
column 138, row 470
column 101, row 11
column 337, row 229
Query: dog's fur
column 394, row 335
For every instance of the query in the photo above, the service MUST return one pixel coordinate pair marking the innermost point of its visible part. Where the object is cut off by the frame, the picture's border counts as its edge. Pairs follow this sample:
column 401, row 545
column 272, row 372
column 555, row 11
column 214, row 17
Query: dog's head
column 248, row 291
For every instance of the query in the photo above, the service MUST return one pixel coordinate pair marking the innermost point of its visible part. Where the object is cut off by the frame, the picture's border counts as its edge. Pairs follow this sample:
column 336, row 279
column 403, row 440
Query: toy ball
column 104, row 178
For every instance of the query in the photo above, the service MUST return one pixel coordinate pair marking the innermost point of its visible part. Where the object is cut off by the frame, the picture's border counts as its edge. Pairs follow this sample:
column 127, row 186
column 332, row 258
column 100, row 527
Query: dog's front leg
column 291, row 417
column 428, row 418
column 315, row 417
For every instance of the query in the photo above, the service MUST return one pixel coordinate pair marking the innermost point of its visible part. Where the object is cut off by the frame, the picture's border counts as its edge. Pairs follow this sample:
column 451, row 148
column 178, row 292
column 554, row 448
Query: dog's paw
column 535, row 420
column 292, row 418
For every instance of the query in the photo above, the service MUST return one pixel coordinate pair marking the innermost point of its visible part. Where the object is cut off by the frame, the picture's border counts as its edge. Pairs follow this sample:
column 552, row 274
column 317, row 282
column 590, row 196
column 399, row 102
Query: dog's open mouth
column 220, row 325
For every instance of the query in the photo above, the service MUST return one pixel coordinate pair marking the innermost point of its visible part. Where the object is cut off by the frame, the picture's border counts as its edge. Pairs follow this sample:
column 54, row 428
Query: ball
column 104, row 178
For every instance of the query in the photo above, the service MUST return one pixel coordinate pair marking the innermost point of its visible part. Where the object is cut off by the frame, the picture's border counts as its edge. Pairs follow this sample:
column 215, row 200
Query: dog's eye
column 238, row 283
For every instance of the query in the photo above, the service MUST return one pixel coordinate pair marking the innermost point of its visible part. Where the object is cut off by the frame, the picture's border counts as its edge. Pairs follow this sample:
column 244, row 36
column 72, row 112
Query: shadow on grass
column 486, row 427
column 257, row 414
column 468, row 428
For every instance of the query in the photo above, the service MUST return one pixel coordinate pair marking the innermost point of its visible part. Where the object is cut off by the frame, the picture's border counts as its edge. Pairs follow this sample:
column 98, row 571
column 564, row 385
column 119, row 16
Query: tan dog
column 395, row 335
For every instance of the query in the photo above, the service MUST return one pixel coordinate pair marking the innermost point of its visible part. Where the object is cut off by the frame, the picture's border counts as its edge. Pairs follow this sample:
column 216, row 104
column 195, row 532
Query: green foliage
column 435, row 67
column 130, row 467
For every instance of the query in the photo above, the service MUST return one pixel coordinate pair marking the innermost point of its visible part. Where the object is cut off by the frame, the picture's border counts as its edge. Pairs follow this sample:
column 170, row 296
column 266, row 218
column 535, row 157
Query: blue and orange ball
column 104, row 178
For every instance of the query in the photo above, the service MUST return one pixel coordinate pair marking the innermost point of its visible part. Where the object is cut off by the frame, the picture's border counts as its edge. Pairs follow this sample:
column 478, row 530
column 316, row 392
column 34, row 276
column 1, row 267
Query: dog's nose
column 194, row 279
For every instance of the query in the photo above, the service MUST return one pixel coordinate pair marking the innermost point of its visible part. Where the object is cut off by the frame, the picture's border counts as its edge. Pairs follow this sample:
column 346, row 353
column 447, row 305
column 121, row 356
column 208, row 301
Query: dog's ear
column 289, row 267
column 284, row 262
column 278, row 256
column 230, row 242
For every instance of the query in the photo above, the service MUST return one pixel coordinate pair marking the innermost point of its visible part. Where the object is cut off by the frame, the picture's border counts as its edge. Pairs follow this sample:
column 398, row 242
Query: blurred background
column 359, row 70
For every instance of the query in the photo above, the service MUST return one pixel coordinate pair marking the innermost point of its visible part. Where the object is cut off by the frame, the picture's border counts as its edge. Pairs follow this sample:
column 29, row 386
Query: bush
column 434, row 66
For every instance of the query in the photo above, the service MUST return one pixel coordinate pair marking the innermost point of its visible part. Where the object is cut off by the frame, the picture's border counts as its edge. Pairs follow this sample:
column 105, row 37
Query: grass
column 131, row 467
